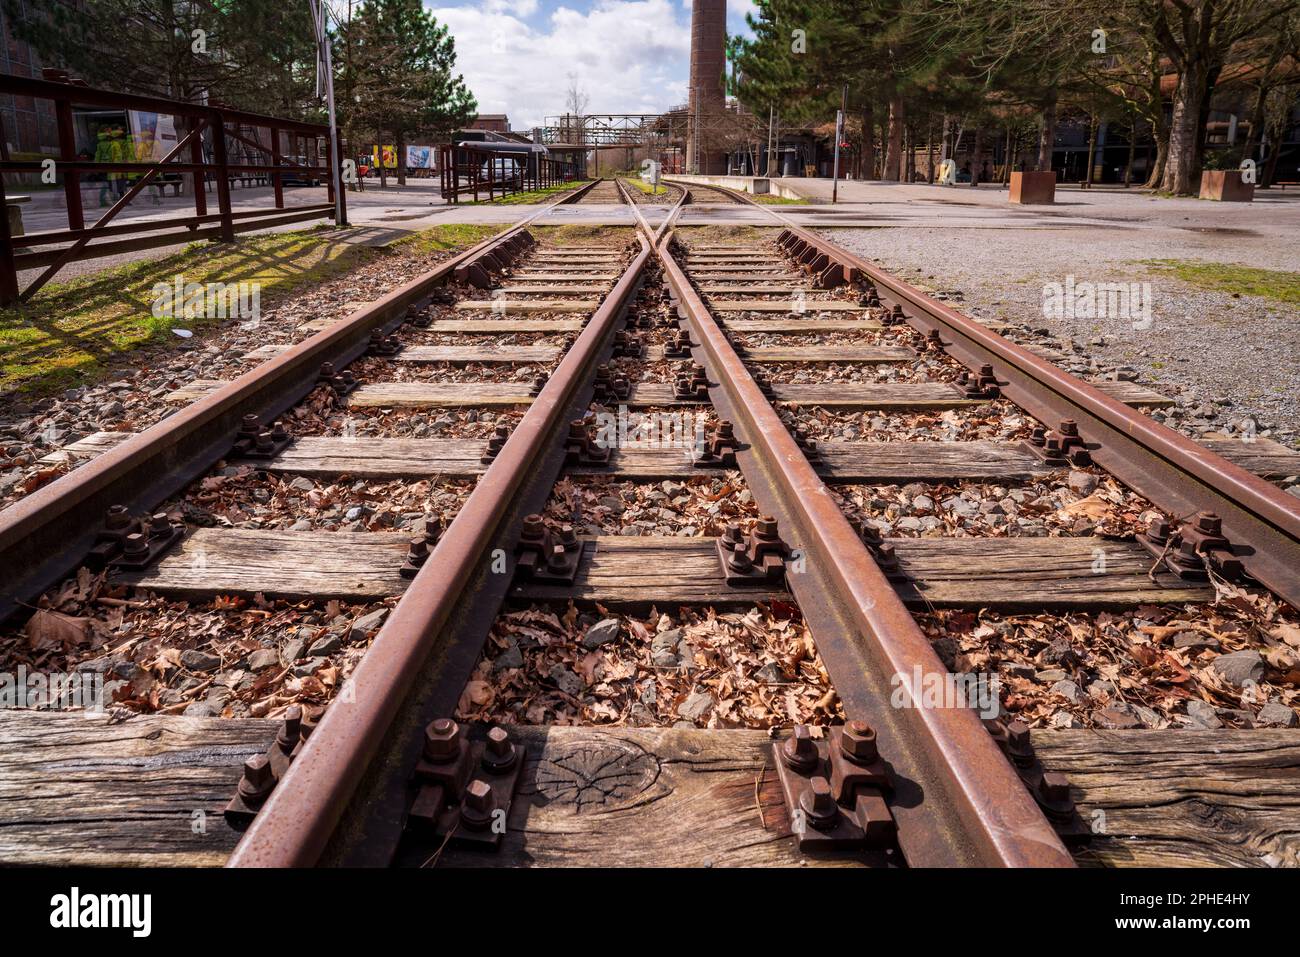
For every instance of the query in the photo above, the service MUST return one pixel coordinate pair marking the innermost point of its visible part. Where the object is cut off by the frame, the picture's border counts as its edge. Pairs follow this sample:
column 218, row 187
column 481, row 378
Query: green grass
column 72, row 332
column 1236, row 280
column 447, row 236
column 531, row 196
column 771, row 199
column 634, row 180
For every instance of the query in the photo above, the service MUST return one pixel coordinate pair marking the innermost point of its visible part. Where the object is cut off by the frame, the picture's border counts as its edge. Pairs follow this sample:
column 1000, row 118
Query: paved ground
column 990, row 256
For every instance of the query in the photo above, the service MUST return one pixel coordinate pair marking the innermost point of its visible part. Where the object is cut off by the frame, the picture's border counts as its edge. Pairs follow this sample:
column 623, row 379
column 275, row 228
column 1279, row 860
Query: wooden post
column 68, row 153
column 223, row 176
column 277, row 160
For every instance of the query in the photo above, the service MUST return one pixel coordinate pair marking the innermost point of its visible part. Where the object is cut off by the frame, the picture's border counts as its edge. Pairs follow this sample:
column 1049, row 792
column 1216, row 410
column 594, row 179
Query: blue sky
column 629, row 56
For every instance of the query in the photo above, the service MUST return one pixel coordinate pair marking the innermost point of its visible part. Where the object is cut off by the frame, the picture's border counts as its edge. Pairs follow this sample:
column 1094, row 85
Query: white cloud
column 630, row 56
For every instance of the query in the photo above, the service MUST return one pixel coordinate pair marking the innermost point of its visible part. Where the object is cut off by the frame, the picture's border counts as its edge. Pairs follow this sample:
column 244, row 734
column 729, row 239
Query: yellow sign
column 390, row 156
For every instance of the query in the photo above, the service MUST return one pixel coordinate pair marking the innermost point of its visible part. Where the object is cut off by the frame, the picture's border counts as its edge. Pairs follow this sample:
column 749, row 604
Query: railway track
column 603, row 190
column 569, row 612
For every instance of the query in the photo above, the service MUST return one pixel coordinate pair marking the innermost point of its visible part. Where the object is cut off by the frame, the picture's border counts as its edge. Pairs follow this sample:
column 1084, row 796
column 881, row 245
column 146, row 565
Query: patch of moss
column 1274, row 284
column 531, row 196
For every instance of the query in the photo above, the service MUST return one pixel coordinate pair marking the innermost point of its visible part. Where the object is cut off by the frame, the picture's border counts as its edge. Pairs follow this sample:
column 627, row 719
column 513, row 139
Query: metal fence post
column 277, row 160
column 68, row 153
column 200, row 175
column 336, row 177
column 223, row 176
column 8, row 274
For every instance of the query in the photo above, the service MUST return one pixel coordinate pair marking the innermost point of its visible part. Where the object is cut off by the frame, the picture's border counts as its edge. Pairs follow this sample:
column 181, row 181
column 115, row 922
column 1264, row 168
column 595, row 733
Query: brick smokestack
column 707, row 97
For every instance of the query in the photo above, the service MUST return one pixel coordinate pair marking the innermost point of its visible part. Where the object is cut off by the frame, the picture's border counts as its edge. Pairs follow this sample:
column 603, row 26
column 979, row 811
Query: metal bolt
column 1054, row 787
column 291, row 730
column 534, row 527
column 858, row 741
column 799, row 750
column 433, row 529
column 1158, row 530
column 136, row 544
column 499, row 753
column 258, row 780
column 726, row 430
column 739, row 558
column 418, row 551
column 117, row 518
column 477, row 807
column 819, row 804
column 1069, row 427
column 1019, row 744
column 441, row 740
column 1209, row 523
column 767, row 527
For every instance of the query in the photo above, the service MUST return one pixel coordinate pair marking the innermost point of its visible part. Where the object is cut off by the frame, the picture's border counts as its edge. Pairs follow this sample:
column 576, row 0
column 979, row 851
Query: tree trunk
column 1256, row 123
column 868, row 142
column 894, row 148
column 977, row 156
column 1275, row 143
column 1008, row 156
column 1092, row 151
column 1047, row 135
column 929, row 152
column 1132, row 152
column 1185, row 132
column 1202, row 122
column 401, row 159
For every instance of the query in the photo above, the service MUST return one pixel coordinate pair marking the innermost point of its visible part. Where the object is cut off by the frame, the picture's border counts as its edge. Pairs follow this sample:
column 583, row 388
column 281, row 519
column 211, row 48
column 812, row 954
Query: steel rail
column 293, row 828
column 1176, row 473
column 44, row 535
column 976, row 811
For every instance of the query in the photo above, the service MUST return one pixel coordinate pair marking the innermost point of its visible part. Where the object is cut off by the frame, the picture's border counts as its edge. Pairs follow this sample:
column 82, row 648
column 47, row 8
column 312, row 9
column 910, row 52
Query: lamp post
column 325, row 77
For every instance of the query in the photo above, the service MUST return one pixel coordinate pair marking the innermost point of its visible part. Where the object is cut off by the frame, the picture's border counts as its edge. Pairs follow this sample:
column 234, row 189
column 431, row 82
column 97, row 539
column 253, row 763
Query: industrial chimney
column 707, row 97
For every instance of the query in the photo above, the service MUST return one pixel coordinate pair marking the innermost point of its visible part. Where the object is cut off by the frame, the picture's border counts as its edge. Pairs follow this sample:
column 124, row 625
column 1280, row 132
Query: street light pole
column 839, row 135
column 325, row 65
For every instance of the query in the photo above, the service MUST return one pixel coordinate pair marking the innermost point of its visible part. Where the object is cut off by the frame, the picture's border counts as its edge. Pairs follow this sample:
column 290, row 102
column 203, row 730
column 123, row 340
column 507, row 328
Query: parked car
column 498, row 168
column 298, row 178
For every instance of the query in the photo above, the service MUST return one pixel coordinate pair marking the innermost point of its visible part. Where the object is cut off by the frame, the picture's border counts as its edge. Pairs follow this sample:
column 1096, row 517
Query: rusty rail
column 1178, row 475
column 293, row 828
column 975, row 810
column 156, row 463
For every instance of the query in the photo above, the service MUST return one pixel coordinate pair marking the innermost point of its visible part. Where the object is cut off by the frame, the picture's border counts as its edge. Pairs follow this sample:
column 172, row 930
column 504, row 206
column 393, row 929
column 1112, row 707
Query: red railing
column 474, row 170
column 208, row 133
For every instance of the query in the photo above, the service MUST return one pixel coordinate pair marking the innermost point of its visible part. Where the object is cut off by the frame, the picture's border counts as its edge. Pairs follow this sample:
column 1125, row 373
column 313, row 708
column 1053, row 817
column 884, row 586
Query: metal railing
column 207, row 134
column 474, row 171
